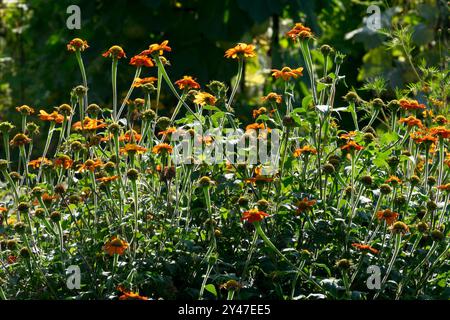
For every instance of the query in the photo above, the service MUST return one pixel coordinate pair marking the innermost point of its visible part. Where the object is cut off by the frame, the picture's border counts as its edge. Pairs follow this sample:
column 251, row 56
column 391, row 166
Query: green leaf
column 211, row 288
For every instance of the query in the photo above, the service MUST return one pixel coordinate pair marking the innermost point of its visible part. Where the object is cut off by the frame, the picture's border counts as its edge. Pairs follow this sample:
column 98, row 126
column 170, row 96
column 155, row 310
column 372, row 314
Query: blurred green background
column 36, row 69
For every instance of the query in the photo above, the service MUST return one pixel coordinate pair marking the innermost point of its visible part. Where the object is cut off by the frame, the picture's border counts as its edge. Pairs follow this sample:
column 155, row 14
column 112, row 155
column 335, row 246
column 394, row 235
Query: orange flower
column 128, row 295
column 256, row 126
column 205, row 98
column 90, row 165
column 304, row 150
column 411, row 121
column 107, row 179
column 389, row 216
column 258, row 112
column 3, row 209
column 63, row 161
column 54, row 116
column 11, row 259
column 365, row 247
column 162, row 148
column 24, row 109
column 299, row 31
column 305, row 204
column 259, row 179
column 139, row 82
column 394, row 180
column 157, row 49
column 241, row 50
column 132, row 148
column 77, row 44
column 352, row 145
column 89, row 124
column 142, row 61
column 287, row 73
column 115, row 52
column 423, row 137
column 348, row 136
column 37, row 162
column 48, row 198
column 129, row 136
column 410, row 104
column 445, row 187
column 272, row 96
column 168, row 131
column 115, row 246
column 20, row 139
column 440, row 131
column 187, row 83
column 254, row 215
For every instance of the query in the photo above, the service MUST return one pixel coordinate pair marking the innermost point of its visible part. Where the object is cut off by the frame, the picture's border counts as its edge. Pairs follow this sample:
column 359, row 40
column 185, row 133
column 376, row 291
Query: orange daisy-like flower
column 115, row 246
column 352, row 145
column 107, row 179
column 444, row 187
column 272, row 96
column 187, row 83
column 305, row 204
column 411, row 121
column 89, row 124
column 241, row 50
column 287, row 73
column 157, row 49
column 256, row 126
column 307, row 150
column 38, row 162
column 63, row 161
column 115, row 52
column 24, row 109
column 258, row 112
column 54, row 116
column 168, row 131
column 48, row 198
column 299, row 31
column 139, row 82
column 128, row 295
column 254, row 215
column 410, row 104
column 133, row 149
column 348, row 136
column 90, row 165
column 77, row 44
column 423, row 137
column 205, row 98
column 440, row 131
column 130, row 136
column 365, row 247
column 394, row 180
column 162, row 148
column 387, row 215
column 141, row 61
column 259, row 179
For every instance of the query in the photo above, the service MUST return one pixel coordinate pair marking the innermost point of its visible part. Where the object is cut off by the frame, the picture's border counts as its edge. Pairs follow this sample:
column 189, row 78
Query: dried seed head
column 328, row 168
column 422, row 227
column 25, row 253
column 393, row 105
column 32, row 128
column 6, row 127
column 431, row 205
column 377, row 103
column 344, row 264
column 39, row 213
column 55, row 216
column 414, row 180
column 262, row 204
column 352, row 96
column 76, row 146
column 385, row 188
column 37, row 192
column 65, row 109
column 23, row 207
column 11, row 244
column 79, row 91
column 367, row 181
column 19, row 227
column 243, row 201
column 431, row 181
column 399, row 227
column 205, row 181
column 437, row 235
column 148, row 115
column 15, row 176
column 114, row 128
column 133, row 174
column 60, row 188
column 163, row 123
column 93, row 110
column 326, row 50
